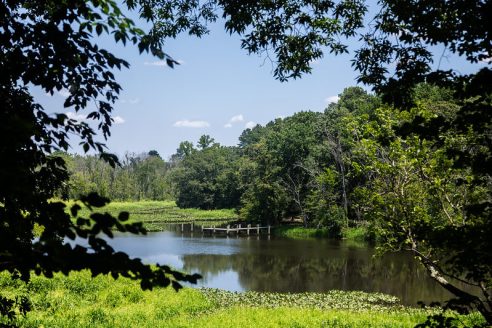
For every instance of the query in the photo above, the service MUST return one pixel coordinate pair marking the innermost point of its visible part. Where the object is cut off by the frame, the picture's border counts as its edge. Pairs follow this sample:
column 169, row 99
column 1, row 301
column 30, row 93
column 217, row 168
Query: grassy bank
column 81, row 301
column 155, row 214
column 355, row 234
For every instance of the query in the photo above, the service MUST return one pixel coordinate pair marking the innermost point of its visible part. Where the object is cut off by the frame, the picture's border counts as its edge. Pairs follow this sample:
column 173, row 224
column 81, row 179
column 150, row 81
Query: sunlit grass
column 81, row 301
column 300, row 232
column 356, row 234
column 156, row 214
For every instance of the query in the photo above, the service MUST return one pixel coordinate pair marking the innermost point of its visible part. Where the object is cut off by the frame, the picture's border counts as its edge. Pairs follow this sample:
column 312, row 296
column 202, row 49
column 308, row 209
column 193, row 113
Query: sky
column 217, row 90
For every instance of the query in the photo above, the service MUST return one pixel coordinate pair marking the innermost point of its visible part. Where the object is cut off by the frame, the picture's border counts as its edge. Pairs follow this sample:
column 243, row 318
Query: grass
column 301, row 232
column 156, row 214
column 357, row 234
column 81, row 301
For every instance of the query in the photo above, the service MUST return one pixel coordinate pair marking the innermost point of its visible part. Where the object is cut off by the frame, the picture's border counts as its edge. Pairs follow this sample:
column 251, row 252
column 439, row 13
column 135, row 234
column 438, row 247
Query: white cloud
column 250, row 125
column 332, row 99
column 75, row 116
column 235, row 119
column 64, row 93
column 191, row 124
column 118, row 120
column 156, row 63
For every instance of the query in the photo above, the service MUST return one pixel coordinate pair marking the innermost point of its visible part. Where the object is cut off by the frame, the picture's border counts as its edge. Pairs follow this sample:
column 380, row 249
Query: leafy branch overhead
column 52, row 45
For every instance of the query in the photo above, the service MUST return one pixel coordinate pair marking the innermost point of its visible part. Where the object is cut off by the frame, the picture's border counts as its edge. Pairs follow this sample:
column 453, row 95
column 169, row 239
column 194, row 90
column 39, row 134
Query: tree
column 206, row 141
column 207, row 178
column 185, row 149
column 51, row 45
column 339, row 137
column 279, row 175
column 419, row 202
column 154, row 153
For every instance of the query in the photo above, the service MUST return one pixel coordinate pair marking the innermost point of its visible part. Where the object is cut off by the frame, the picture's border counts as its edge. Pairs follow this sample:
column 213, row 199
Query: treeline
column 354, row 162
column 303, row 166
column 138, row 177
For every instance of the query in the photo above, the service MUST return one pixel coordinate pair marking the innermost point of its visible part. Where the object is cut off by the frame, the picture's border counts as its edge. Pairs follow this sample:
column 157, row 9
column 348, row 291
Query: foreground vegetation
column 81, row 301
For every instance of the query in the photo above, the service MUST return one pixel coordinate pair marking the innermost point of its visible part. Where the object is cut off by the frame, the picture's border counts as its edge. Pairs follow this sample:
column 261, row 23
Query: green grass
column 354, row 234
column 81, row 301
column 155, row 214
column 300, row 232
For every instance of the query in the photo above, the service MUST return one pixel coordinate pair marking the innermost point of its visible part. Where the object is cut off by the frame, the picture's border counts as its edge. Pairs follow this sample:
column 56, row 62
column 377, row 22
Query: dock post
column 191, row 226
column 269, row 230
column 202, row 229
column 182, row 227
column 258, row 229
column 238, row 229
column 214, row 229
column 227, row 231
column 249, row 227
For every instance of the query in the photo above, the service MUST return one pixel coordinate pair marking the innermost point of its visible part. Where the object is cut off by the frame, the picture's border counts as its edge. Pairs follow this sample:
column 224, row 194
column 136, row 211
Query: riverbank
column 156, row 214
column 81, row 301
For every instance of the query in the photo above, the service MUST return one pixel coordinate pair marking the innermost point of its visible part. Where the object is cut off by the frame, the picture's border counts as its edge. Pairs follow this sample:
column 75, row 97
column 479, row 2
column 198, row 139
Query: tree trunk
column 470, row 299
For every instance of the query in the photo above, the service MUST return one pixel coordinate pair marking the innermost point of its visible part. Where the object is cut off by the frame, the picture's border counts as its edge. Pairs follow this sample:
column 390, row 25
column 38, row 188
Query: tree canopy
column 52, row 45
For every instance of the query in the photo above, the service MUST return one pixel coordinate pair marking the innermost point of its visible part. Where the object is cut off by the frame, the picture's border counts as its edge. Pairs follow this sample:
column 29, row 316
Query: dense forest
column 352, row 164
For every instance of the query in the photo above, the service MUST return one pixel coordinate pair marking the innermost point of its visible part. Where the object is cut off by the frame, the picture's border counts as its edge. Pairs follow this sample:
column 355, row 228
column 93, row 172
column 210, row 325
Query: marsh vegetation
column 81, row 301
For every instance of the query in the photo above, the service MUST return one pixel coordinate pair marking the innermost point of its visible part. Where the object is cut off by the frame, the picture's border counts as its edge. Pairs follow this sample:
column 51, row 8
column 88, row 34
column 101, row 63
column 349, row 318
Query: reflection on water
column 282, row 265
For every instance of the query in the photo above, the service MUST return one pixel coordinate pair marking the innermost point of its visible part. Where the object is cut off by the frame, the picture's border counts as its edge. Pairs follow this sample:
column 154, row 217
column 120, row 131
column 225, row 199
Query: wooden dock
column 237, row 229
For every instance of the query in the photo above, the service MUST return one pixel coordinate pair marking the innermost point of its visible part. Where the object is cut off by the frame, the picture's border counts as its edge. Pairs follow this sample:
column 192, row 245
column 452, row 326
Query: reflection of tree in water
column 395, row 274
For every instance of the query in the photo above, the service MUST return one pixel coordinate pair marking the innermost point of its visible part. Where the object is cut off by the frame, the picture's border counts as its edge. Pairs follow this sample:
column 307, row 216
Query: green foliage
column 139, row 177
column 341, row 300
column 207, row 178
column 52, row 45
column 78, row 300
column 418, row 199
column 303, row 165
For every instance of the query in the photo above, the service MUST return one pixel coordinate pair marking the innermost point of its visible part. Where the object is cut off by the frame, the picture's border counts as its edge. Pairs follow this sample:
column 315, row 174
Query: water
column 285, row 265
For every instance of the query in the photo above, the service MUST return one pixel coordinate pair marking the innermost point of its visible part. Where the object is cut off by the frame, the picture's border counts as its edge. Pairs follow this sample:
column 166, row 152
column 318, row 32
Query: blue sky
column 217, row 90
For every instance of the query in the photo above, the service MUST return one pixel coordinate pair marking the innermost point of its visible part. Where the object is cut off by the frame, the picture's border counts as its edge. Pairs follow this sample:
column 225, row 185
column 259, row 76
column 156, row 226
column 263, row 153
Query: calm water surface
column 285, row 265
